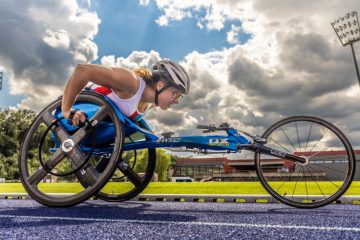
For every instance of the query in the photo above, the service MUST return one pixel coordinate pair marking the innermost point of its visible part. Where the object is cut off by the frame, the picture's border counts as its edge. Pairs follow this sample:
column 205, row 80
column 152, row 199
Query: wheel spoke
column 281, row 186
column 288, row 139
column 297, row 133
column 328, row 159
column 297, row 179
column 280, row 145
column 321, row 151
column 129, row 173
column 317, row 183
column 334, row 169
column 325, row 177
column 284, row 182
column 307, row 193
column 54, row 160
column 272, row 175
column 319, row 140
column 88, row 175
column 308, row 137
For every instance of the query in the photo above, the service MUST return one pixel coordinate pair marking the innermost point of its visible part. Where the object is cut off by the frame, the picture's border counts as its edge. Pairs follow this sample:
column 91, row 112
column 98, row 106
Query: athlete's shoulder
column 116, row 78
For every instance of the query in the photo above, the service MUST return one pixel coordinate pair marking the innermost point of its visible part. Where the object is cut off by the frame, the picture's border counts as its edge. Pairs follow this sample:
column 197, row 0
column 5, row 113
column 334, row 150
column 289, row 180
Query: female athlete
column 133, row 92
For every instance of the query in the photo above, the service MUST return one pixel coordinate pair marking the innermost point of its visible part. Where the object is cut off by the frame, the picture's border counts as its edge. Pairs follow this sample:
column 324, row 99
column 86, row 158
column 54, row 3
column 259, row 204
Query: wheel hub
column 68, row 145
column 306, row 161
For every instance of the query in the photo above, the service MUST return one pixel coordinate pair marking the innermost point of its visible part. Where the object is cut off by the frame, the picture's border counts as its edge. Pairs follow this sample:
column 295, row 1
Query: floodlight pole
column 347, row 29
column 356, row 64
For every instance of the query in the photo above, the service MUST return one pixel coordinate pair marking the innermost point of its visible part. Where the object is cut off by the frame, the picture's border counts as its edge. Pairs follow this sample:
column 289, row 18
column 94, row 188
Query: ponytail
column 146, row 75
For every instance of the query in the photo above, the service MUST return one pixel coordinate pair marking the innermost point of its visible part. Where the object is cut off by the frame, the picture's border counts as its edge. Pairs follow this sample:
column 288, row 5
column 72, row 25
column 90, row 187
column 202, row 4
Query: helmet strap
column 157, row 93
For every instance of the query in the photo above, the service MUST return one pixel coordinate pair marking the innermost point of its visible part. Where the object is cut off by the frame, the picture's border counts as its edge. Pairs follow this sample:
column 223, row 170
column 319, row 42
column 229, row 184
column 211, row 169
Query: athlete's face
column 168, row 97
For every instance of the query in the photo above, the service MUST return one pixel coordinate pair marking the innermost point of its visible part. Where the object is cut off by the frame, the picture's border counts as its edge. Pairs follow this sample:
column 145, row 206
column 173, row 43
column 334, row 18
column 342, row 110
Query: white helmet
column 172, row 73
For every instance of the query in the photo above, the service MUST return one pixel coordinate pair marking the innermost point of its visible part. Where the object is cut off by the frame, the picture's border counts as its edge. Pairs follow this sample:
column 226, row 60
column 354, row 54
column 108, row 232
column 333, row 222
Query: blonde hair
column 145, row 74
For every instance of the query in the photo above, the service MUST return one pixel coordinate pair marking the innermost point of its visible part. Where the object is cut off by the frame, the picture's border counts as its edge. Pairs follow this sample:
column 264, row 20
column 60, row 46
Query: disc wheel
column 69, row 188
column 329, row 167
column 132, row 176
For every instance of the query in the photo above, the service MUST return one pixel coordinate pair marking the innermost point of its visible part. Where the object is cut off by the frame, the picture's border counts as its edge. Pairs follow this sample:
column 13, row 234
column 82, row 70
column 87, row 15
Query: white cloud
column 42, row 97
column 176, row 10
column 57, row 39
column 144, row 2
column 233, row 34
column 162, row 21
column 87, row 3
column 292, row 64
column 217, row 12
column 134, row 60
column 41, row 43
column 108, row 61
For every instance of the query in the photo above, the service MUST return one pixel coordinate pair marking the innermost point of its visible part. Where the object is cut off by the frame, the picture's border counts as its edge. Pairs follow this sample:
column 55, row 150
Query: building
column 198, row 168
column 327, row 164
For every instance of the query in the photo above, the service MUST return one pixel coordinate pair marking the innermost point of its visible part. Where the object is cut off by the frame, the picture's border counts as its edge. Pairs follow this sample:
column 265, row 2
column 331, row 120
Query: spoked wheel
column 54, row 161
column 133, row 174
column 325, row 176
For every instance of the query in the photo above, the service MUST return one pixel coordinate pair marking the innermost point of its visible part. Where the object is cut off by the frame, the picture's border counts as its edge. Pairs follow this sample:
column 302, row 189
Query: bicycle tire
column 319, row 167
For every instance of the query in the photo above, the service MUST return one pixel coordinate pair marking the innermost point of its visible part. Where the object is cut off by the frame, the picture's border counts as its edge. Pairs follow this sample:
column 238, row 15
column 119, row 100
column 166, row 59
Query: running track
column 26, row 219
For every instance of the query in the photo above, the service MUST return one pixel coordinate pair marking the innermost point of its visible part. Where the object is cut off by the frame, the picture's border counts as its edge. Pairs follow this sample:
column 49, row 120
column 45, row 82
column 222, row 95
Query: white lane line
column 215, row 224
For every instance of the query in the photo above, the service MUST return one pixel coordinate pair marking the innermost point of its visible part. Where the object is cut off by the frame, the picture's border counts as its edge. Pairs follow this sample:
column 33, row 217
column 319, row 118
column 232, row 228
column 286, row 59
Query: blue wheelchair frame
column 230, row 143
column 102, row 137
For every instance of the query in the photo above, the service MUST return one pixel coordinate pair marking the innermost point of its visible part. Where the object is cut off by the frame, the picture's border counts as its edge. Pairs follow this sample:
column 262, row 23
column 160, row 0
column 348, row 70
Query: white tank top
column 129, row 106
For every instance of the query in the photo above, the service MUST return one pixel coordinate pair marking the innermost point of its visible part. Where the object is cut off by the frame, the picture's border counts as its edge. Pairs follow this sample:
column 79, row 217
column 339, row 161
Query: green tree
column 13, row 125
column 163, row 161
column 141, row 163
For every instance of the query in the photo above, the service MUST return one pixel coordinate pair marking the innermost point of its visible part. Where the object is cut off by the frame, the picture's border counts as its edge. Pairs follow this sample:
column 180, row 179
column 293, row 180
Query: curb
column 245, row 198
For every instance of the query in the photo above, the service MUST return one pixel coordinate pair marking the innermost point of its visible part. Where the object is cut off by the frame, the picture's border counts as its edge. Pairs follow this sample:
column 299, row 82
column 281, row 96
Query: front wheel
column 327, row 173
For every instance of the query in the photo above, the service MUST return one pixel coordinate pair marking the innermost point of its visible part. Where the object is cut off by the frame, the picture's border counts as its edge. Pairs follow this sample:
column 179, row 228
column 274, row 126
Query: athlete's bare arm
column 119, row 79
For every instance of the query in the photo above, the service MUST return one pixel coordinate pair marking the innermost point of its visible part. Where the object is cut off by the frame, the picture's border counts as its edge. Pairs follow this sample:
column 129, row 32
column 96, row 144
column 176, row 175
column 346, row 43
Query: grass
column 177, row 188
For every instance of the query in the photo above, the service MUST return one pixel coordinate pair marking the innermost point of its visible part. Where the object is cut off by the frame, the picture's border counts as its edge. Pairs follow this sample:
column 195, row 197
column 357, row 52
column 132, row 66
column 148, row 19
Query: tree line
column 13, row 126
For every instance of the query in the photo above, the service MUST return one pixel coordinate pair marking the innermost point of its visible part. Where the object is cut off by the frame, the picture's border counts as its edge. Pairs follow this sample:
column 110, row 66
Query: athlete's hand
column 78, row 119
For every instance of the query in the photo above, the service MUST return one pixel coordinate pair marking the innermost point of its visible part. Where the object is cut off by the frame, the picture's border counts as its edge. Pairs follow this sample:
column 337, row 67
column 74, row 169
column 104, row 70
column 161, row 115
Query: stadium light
column 348, row 31
column 1, row 78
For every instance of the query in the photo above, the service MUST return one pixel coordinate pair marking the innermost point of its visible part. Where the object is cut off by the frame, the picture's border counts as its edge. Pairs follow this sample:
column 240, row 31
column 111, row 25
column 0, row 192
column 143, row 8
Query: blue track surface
column 26, row 219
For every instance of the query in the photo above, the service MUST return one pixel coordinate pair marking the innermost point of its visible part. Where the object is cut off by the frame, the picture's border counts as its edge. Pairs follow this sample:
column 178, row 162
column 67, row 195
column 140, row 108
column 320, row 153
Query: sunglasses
column 176, row 95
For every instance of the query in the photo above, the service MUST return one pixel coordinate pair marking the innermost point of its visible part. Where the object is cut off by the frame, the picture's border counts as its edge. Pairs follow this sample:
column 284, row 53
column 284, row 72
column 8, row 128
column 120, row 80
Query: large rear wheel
column 54, row 162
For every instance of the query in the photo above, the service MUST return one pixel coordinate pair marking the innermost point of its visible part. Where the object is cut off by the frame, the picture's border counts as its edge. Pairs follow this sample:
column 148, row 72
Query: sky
column 252, row 62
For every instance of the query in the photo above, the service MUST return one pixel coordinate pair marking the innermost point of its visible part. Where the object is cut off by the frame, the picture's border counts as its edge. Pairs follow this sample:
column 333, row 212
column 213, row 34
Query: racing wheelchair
column 301, row 161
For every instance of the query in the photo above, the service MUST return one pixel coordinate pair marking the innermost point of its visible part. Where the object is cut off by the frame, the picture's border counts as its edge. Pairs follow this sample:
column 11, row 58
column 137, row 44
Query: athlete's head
column 172, row 82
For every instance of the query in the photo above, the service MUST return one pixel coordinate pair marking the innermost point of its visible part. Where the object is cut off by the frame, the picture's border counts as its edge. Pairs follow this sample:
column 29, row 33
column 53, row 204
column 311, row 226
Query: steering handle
column 202, row 127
